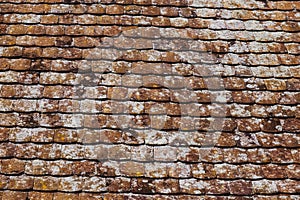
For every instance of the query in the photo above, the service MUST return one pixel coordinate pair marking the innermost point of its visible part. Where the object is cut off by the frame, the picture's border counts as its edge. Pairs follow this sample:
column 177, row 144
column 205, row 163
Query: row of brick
column 232, row 4
column 147, row 94
column 146, row 186
column 87, row 106
column 128, row 20
column 150, row 170
column 124, row 43
column 165, row 154
column 152, row 32
column 149, row 137
column 189, row 12
column 150, row 56
column 141, row 68
column 172, row 82
column 21, row 195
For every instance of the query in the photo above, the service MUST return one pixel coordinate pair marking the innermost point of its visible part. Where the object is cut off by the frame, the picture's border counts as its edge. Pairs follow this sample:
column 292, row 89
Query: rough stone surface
column 149, row 99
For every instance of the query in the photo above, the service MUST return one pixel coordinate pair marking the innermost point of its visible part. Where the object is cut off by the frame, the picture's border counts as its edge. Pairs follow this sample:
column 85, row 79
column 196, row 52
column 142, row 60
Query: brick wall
column 149, row 99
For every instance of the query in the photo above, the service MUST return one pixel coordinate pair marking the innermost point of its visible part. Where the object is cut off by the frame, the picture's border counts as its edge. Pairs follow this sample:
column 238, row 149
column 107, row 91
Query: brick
column 56, row 30
column 65, row 196
column 12, row 166
column 226, row 171
column 168, row 186
column 62, row 168
column 203, row 171
column 132, row 169
column 275, row 84
column 20, row 183
column 40, row 195
column 281, row 155
column 250, row 171
column 213, row 189
column 32, row 52
column 17, row 29
column 46, row 183
column 165, row 153
column 37, row 167
column 292, row 170
column 50, row 151
column 235, row 155
column 7, row 40
column 4, row 134
column 288, row 186
column 291, row 125
column 36, row 30
column 192, row 186
column 249, row 125
column 49, row 19
column 119, row 184
column 143, row 186
column 14, row 195
column 240, row 187
column 110, row 168
column 4, row 181
column 156, row 170
column 274, row 171
column 12, row 51
column 119, row 152
column 264, row 187
column 258, row 156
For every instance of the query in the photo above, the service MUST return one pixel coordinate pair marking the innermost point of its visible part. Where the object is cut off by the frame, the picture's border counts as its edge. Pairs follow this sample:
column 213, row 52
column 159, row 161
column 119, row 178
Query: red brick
column 250, row 171
column 203, row 170
column 20, row 183
column 12, row 166
column 119, row 184
column 132, row 169
column 274, row 171
column 65, row 196
column 14, row 195
column 4, row 180
column 46, row 183
column 167, row 186
column 40, row 195
column 114, row 9
column 32, row 52
column 249, row 125
column 216, row 186
column 49, row 19
column 240, row 187
column 291, row 125
column 143, row 186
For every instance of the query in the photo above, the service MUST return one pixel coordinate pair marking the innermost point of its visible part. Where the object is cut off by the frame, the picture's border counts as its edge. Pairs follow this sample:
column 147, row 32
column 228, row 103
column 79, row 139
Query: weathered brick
column 168, row 186
column 250, row 171
column 274, row 171
column 12, row 166
column 20, row 183
column 94, row 184
column 143, row 186
column 40, row 195
column 65, row 196
column 240, row 187
column 264, row 187
column 119, row 184
column 14, row 195
column 258, row 156
column 45, row 183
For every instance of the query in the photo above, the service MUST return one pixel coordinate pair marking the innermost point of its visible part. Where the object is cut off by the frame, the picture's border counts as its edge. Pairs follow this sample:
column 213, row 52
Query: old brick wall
column 149, row 99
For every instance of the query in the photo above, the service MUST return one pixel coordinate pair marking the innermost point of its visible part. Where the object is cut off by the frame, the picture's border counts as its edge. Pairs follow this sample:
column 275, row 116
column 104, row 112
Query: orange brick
column 114, row 9
column 49, row 19
column 12, row 166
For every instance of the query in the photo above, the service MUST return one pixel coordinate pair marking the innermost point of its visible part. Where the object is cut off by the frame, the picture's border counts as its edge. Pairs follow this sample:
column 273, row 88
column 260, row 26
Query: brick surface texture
column 149, row 99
